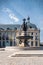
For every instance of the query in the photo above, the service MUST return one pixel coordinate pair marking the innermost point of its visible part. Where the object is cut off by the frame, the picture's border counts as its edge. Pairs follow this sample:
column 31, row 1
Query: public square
column 7, row 57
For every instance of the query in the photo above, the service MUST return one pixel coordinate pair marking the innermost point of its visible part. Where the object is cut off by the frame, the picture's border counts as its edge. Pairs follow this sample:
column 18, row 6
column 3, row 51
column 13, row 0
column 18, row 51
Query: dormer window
column 30, row 27
column 15, row 28
column 8, row 28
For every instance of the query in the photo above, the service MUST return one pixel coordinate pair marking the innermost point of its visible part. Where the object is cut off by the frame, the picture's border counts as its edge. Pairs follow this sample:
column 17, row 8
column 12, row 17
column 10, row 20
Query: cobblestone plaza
column 6, row 59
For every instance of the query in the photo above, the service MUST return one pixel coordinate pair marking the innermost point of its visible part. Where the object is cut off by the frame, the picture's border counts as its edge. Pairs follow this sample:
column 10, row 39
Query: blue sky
column 13, row 11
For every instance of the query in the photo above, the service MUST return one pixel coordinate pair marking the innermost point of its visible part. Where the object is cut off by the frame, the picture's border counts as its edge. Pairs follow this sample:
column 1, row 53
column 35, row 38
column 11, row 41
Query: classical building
column 9, row 33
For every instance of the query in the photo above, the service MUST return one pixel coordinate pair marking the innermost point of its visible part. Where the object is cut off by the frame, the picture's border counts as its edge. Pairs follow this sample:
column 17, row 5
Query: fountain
column 24, row 37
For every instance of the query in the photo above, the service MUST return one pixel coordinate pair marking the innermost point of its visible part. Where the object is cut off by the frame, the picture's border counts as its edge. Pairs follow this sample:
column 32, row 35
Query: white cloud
column 10, row 14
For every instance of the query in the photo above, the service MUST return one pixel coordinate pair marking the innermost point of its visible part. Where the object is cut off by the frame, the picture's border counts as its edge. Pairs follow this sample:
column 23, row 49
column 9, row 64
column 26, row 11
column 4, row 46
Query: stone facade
column 9, row 33
column 35, row 41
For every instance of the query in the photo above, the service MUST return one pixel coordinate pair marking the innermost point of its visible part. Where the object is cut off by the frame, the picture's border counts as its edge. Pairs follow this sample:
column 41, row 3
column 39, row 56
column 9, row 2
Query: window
column 0, row 37
column 19, row 33
column 3, row 43
column 32, row 33
column 3, row 37
column 7, row 41
column 8, row 28
column 32, row 43
column 36, row 33
column 32, row 38
column 0, row 33
column 10, row 42
column 36, row 38
column 7, row 38
column 14, row 42
column 36, row 43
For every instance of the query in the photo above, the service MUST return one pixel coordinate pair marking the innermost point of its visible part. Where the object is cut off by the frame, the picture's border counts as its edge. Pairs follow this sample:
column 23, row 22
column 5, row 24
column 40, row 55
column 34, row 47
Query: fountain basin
column 24, row 37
